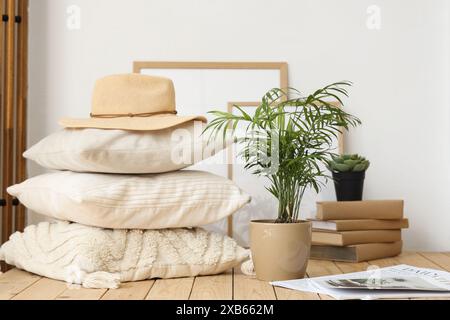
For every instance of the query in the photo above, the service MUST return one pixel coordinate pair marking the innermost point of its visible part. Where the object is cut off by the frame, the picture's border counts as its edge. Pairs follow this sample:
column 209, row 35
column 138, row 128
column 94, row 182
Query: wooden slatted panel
column 15, row 281
column 2, row 59
column 171, row 289
column 8, row 123
column 21, row 101
column 14, row 54
column 2, row 108
column 218, row 287
column 130, row 291
column 44, row 289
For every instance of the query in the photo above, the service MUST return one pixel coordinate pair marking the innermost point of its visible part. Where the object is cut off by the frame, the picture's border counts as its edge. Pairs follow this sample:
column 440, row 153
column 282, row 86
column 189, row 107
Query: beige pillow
column 159, row 201
column 100, row 258
column 125, row 152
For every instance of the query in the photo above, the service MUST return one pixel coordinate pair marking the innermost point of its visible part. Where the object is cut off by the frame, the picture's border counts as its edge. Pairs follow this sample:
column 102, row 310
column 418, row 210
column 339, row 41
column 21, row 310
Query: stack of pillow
column 125, row 208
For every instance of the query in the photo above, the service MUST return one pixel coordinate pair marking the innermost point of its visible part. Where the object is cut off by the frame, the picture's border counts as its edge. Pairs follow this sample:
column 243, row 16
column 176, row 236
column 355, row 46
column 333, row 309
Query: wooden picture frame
column 138, row 66
column 282, row 67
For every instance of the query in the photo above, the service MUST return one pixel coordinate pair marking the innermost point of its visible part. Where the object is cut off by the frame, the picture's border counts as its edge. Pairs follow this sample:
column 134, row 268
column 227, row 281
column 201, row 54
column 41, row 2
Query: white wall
column 401, row 74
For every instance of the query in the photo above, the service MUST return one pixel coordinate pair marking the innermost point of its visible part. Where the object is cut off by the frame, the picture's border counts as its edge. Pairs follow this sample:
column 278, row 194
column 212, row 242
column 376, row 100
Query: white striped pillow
column 159, row 201
column 126, row 152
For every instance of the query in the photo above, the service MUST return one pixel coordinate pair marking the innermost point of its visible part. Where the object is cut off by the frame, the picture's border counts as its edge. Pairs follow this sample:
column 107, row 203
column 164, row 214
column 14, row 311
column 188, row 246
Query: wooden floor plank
column 322, row 268
column 15, row 281
column 80, row 293
column 171, row 289
column 417, row 260
column 246, row 288
column 44, row 289
column 130, row 291
column 287, row 294
column 218, row 287
column 250, row 288
column 383, row 263
column 316, row 268
column 20, row 285
column 423, row 260
column 347, row 267
column 440, row 259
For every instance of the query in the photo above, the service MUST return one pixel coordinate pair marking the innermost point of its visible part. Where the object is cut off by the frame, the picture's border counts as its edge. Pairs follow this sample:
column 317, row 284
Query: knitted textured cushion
column 102, row 258
column 125, row 152
column 171, row 200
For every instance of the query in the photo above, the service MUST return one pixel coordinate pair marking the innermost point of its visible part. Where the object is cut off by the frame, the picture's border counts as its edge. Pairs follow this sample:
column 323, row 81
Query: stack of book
column 358, row 231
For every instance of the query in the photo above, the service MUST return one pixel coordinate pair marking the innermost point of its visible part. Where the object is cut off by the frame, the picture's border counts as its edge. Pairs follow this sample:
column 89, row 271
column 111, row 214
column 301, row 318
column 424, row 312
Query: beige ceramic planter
column 280, row 251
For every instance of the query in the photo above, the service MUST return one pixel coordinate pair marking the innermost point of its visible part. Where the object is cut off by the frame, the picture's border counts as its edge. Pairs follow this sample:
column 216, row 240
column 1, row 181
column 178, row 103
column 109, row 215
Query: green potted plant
column 289, row 140
column 349, row 172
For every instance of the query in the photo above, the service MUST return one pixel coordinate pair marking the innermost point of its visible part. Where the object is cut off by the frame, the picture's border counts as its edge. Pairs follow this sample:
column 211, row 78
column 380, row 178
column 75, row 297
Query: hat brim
column 154, row 123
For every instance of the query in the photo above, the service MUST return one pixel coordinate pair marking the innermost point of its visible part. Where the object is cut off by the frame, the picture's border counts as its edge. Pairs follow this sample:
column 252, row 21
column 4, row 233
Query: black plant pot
column 349, row 186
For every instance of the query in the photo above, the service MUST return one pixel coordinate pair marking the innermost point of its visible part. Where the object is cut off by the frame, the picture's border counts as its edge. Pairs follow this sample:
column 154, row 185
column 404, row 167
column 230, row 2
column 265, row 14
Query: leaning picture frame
column 205, row 86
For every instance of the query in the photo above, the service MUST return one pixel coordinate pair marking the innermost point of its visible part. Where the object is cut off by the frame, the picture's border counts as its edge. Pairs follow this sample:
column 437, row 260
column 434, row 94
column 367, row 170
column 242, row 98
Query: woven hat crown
column 133, row 95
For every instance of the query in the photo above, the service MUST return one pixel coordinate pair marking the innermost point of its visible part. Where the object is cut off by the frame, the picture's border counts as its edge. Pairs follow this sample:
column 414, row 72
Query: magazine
column 395, row 282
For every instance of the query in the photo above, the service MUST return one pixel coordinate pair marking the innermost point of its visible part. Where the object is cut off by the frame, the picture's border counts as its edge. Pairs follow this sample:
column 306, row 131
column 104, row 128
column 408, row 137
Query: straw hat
column 132, row 102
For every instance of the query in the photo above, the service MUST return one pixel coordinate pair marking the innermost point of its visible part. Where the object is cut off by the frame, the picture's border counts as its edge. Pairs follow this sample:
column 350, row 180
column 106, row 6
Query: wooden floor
column 19, row 285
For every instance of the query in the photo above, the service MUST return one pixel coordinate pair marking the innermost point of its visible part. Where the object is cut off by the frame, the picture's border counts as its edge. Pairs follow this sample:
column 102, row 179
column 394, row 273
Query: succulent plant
column 348, row 163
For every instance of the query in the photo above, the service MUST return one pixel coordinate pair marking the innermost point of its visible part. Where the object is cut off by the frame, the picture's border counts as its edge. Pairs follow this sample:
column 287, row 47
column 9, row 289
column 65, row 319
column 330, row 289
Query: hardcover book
column 357, row 253
column 360, row 224
column 346, row 238
column 351, row 210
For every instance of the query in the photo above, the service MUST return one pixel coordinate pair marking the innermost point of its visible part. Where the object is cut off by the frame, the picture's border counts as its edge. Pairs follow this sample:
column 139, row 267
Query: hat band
column 132, row 115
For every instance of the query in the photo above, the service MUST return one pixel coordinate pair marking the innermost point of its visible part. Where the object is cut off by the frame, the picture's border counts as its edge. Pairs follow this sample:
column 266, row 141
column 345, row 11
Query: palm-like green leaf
column 303, row 128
